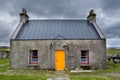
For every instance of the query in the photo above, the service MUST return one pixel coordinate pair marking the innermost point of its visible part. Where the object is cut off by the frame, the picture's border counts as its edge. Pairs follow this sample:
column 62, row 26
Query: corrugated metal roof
column 58, row 29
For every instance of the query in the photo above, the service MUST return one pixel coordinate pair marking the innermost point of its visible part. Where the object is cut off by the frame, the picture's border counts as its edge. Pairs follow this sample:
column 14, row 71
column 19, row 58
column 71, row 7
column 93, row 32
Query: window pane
column 34, row 54
column 84, row 57
column 34, row 60
column 33, row 57
column 84, row 60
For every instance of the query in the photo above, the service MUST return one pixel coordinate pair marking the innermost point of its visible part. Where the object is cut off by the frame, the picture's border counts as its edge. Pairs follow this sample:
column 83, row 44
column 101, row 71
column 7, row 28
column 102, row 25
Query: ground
column 111, row 73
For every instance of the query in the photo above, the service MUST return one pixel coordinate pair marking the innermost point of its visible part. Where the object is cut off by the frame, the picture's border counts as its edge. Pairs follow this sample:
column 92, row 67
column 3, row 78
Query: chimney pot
column 24, row 11
column 92, row 16
column 23, row 16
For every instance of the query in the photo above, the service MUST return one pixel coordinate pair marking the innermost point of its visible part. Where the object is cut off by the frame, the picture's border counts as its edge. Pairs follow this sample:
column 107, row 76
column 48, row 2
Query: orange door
column 59, row 59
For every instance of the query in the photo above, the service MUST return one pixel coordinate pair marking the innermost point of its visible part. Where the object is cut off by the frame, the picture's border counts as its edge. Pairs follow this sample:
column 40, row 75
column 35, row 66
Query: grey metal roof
column 58, row 29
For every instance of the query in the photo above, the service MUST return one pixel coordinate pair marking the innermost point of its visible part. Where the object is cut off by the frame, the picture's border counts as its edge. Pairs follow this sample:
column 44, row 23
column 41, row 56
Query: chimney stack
column 92, row 16
column 23, row 16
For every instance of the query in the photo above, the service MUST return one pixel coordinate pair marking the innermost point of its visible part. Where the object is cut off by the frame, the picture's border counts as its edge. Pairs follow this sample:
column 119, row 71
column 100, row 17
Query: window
column 33, row 58
column 85, row 57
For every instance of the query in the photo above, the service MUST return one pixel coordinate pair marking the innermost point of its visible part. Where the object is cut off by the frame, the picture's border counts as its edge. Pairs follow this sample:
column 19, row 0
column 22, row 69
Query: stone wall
column 46, row 48
column 4, row 54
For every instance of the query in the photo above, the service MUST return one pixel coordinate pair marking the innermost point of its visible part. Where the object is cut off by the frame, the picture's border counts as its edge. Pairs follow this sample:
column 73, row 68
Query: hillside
column 113, row 50
column 4, row 49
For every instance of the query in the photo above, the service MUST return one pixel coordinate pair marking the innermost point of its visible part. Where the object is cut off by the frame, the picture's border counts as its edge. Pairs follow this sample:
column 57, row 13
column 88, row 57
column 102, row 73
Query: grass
column 6, row 74
column 98, row 74
column 20, row 74
column 4, row 61
column 22, row 77
column 94, row 78
column 4, row 64
column 32, row 72
column 88, row 78
column 4, row 49
column 111, row 68
column 113, row 51
column 4, row 68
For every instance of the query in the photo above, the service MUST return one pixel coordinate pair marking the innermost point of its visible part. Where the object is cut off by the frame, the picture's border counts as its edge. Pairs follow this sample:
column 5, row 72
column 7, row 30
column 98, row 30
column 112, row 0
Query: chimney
column 92, row 16
column 23, row 16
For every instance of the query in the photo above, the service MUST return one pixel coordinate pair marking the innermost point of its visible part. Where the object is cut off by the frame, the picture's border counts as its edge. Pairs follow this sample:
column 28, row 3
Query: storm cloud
column 110, row 7
column 108, row 12
column 56, row 8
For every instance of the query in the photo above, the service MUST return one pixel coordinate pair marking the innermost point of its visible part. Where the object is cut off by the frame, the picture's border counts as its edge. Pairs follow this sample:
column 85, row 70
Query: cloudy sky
column 108, row 15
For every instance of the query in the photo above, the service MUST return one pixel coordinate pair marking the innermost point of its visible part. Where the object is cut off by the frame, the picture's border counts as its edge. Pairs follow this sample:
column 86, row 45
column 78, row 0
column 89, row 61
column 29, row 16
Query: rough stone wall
column 46, row 48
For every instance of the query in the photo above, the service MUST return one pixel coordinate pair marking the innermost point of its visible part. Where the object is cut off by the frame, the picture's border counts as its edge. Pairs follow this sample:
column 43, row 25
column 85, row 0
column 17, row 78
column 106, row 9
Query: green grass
column 3, row 49
column 32, row 72
column 4, row 64
column 113, row 51
column 89, row 78
column 4, row 68
column 4, row 61
column 94, row 78
column 22, row 77
column 98, row 74
column 113, row 66
column 20, row 74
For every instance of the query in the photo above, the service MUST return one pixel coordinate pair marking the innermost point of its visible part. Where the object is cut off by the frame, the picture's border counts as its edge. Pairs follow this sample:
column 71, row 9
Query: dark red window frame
column 33, row 57
column 84, row 56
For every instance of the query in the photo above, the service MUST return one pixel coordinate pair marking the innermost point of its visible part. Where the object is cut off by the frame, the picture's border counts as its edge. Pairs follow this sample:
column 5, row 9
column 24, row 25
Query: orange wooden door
column 59, row 60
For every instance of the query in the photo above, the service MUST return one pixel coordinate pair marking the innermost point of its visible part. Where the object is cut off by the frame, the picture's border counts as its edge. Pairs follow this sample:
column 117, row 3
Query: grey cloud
column 110, row 4
column 113, row 42
column 6, row 5
column 110, row 7
column 4, row 32
column 113, row 32
column 57, row 8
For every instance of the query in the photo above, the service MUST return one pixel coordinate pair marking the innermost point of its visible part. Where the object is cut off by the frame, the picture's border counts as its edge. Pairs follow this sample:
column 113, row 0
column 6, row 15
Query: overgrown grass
column 3, row 49
column 94, row 78
column 4, row 68
column 113, row 51
column 32, row 72
column 4, row 61
column 20, row 74
column 4, row 64
column 22, row 77
column 111, row 67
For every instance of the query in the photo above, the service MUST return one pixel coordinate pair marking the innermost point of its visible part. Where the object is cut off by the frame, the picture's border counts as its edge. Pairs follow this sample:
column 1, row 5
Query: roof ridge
column 58, row 19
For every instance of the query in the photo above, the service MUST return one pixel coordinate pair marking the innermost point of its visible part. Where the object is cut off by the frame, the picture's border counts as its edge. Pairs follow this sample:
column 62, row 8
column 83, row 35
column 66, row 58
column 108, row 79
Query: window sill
column 84, row 64
column 32, row 65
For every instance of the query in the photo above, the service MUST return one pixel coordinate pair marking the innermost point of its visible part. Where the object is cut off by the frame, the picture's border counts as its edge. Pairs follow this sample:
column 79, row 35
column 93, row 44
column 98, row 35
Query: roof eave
column 14, row 34
column 102, row 36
